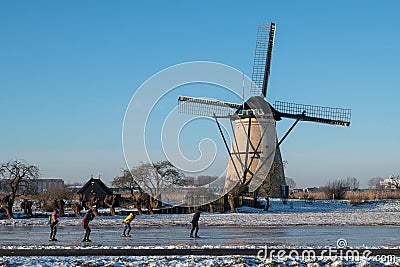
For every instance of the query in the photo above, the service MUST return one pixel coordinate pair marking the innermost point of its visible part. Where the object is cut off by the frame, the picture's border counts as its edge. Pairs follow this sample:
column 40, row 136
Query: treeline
column 17, row 183
column 379, row 188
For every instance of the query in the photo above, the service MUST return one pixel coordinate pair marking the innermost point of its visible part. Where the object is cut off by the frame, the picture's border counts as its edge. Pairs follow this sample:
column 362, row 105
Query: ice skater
column 195, row 223
column 85, row 223
column 127, row 223
column 53, row 225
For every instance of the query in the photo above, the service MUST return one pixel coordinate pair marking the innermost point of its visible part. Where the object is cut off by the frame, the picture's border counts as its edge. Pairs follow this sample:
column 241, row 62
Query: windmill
column 255, row 146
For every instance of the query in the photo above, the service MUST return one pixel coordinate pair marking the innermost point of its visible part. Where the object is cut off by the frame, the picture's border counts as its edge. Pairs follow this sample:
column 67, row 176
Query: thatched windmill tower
column 255, row 159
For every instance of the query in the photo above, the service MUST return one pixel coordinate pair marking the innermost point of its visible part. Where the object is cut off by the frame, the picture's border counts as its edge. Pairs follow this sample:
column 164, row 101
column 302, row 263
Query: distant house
column 35, row 186
column 95, row 188
column 74, row 188
column 48, row 184
column 389, row 183
column 204, row 179
column 311, row 189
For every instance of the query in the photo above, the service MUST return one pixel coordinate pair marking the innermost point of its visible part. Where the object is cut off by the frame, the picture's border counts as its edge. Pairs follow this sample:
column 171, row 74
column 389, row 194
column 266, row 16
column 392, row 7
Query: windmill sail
column 262, row 58
column 254, row 149
column 327, row 115
column 206, row 107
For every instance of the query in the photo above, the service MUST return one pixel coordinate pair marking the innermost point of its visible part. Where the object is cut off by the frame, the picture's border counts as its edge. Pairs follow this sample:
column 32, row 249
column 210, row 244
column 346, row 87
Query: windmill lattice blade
column 328, row 115
column 262, row 57
column 206, row 107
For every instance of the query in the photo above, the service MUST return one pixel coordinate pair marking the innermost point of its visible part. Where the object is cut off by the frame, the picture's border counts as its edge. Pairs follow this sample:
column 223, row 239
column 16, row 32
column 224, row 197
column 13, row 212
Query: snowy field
column 295, row 213
column 185, row 261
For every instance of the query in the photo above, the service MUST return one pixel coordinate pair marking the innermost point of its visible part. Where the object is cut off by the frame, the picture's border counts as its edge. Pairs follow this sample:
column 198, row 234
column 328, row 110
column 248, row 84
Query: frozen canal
column 210, row 235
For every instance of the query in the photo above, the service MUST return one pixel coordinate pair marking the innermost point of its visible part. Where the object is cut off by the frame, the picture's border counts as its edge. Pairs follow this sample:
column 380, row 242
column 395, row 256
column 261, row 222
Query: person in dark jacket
column 53, row 225
column 85, row 223
column 195, row 222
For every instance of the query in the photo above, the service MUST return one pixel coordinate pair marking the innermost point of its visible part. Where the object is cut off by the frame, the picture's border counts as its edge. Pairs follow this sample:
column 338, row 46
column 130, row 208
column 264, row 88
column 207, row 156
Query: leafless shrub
column 336, row 189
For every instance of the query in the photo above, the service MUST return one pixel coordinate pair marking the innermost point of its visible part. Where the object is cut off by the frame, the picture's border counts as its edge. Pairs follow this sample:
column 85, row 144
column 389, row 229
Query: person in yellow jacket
column 127, row 223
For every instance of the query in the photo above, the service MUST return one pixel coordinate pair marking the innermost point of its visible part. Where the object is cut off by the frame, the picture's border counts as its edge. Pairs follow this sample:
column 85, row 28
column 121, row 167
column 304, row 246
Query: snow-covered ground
column 233, row 260
column 296, row 212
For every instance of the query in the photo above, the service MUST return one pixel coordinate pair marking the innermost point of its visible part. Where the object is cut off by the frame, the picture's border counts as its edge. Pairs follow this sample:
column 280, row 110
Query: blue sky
column 69, row 69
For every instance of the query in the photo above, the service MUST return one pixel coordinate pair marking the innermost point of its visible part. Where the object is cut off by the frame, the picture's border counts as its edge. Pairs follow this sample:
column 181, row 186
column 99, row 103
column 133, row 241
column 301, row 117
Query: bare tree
column 59, row 204
column 146, row 182
column 92, row 204
column 291, row 183
column 138, row 201
column 17, row 178
column 110, row 200
column 352, row 183
column 26, row 205
column 157, row 177
column 375, row 183
column 49, row 200
column 128, row 182
column 335, row 189
column 77, row 208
